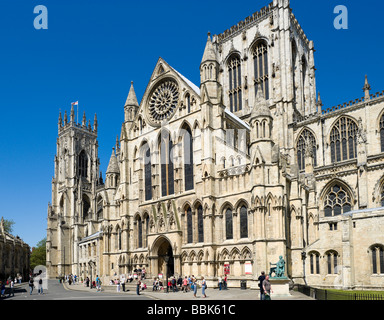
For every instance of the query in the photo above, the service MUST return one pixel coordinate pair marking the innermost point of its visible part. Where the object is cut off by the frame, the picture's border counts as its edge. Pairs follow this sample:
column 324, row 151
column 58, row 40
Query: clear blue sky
column 93, row 49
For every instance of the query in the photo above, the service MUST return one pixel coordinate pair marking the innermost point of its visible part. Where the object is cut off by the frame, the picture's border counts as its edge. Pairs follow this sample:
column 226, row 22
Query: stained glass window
column 189, row 225
column 377, row 259
column 306, row 136
column 83, row 165
column 188, row 160
column 243, row 222
column 337, row 201
column 229, row 224
column 140, row 233
column 200, row 223
column 166, row 158
column 235, row 95
column 343, row 140
column 260, row 62
column 148, row 174
column 382, row 133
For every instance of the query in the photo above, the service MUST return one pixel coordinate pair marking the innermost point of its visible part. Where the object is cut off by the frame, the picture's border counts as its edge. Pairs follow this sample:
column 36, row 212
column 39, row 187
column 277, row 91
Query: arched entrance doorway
column 165, row 257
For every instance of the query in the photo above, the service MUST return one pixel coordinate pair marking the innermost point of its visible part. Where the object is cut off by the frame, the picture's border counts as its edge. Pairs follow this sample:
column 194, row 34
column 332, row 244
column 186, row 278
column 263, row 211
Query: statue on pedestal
column 278, row 270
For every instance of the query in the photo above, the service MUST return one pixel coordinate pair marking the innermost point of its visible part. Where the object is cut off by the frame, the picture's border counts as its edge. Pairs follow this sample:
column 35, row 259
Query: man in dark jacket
column 261, row 280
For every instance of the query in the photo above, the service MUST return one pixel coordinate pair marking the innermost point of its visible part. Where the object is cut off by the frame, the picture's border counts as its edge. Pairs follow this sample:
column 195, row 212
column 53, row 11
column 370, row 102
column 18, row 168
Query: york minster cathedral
column 226, row 176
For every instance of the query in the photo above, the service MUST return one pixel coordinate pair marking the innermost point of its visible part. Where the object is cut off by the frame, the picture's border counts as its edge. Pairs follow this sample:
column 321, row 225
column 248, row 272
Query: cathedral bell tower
column 76, row 177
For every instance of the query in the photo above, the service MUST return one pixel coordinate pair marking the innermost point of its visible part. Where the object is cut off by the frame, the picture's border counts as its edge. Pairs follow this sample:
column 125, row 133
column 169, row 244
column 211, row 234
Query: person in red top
column 225, row 283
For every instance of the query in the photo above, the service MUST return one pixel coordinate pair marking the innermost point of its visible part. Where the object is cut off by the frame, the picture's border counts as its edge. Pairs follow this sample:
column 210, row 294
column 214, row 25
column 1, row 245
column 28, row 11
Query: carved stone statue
column 279, row 269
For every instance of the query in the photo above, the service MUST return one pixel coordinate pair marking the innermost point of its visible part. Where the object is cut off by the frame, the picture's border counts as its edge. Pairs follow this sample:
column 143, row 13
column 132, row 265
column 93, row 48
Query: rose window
column 163, row 102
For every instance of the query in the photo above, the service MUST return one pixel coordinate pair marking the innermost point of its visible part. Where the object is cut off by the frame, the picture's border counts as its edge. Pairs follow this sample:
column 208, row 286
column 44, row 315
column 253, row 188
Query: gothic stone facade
column 14, row 255
column 234, row 173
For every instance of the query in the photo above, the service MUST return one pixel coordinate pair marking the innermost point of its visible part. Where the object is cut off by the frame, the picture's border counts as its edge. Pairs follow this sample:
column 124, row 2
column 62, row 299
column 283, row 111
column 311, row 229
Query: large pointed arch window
column 243, row 222
column 166, row 162
column 382, row 132
column 337, row 201
column 382, row 196
column 86, row 207
column 306, row 138
column 343, row 140
column 260, row 63
column 188, row 159
column 189, row 225
column 139, row 232
column 228, row 224
column 83, row 165
column 200, row 223
column 147, row 172
column 99, row 214
column 234, row 73
column 377, row 254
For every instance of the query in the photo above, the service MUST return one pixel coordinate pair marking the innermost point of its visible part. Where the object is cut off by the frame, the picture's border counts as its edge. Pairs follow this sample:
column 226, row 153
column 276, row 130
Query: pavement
column 212, row 294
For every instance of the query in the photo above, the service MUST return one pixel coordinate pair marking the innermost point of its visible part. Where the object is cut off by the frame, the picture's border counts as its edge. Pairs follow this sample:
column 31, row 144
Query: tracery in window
column 147, row 172
column 260, row 62
column 235, row 93
column 83, row 165
column 166, row 161
column 337, row 201
column 382, row 132
column 188, row 160
column 343, row 140
column 306, row 138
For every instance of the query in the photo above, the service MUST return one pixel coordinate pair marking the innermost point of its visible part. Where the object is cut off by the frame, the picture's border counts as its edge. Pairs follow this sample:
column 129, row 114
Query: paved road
column 56, row 291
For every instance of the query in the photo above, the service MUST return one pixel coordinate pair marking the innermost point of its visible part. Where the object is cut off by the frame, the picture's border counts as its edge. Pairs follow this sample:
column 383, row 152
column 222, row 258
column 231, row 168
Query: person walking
column 31, row 285
column 267, row 288
column 11, row 289
column 118, row 285
column 203, row 286
column 194, row 281
column 185, row 285
column 2, row 289
column 261, row 279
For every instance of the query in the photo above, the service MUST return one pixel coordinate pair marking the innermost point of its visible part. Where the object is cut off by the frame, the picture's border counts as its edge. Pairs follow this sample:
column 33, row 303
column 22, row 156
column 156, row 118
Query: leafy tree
column 38, row 255
column 8, row 225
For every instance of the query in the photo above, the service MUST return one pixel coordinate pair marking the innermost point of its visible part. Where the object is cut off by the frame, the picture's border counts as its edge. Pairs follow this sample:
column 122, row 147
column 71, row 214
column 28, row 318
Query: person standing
column 31, row 285
column 220, row 282
column 225, row 282
column 40, row 286
column 123, row 284
column 203, row 286
column 267, row 288
column 261, row 279
column 138, row 285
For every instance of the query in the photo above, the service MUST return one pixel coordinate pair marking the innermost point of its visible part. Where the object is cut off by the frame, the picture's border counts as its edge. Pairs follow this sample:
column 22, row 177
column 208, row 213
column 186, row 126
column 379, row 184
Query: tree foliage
column 38, row 255
column 8, row 225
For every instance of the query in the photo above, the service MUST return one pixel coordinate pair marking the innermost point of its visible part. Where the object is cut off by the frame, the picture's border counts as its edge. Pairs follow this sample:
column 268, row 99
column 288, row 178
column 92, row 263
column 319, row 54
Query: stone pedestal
column 280, row 287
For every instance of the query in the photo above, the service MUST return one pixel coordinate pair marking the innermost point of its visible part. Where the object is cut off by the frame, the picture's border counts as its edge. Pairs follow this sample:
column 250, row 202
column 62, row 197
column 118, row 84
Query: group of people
column 186, row 284
column 32, row 285
column 265, row 287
